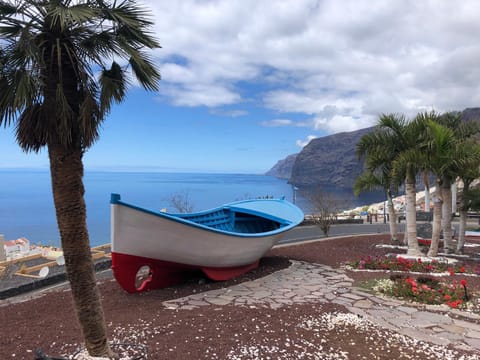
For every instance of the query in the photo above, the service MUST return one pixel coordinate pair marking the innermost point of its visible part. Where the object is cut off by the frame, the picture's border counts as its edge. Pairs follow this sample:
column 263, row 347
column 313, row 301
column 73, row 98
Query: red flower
column 462, row 269
column 454, row 304
column 451, row 271
column 463, row 282
column 447, row 297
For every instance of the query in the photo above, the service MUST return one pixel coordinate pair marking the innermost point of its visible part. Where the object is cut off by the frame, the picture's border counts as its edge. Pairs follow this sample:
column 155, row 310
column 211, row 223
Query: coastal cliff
column 330, row 161
column 283, row 168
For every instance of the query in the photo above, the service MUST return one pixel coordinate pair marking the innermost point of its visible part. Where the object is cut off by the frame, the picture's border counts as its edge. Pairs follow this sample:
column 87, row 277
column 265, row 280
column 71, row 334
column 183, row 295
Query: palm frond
column 368, row 181
column 145, row 72
column 113, row 86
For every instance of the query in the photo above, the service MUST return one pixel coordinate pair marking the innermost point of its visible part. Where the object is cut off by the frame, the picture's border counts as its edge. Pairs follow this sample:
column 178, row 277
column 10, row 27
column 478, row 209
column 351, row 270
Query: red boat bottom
column 138, row 274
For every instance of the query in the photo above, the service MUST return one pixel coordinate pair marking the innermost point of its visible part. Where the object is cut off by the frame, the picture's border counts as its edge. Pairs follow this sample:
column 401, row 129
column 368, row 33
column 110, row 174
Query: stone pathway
column 308, row 283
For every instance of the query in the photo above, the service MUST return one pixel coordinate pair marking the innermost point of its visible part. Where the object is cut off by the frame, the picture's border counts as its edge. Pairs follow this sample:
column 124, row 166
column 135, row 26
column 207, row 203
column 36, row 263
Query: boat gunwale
column 284, row 223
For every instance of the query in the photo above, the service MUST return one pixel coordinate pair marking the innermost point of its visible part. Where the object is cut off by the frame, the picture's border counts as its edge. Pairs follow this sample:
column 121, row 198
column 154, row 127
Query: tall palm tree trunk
column 411, row 217
column 461, row 231
column 447, row 216
column 437, row 222
column 464, row 205
column 68, row 192
column 426, row 181
column 392, row 219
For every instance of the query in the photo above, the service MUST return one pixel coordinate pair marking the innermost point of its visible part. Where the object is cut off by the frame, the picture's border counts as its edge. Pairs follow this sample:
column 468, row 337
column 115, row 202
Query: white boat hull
column 223, row 242
column 146, row 235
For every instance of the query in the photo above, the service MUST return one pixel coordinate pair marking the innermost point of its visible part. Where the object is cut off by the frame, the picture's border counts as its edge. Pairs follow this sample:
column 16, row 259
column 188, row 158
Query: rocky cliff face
column 283, row 168
column 330, row 161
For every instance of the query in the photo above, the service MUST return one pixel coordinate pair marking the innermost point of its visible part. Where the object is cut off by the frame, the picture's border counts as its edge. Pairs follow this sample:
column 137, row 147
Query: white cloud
column 303, row 143
column 340, row 62
column 277, row 123
column 229, row 113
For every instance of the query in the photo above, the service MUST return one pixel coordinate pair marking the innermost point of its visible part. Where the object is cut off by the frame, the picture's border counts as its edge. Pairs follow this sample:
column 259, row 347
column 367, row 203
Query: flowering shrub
column 425, row 290
column 403, row 264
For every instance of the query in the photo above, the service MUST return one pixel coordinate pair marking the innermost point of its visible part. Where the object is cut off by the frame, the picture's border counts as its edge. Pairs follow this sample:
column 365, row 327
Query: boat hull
column 170, row 248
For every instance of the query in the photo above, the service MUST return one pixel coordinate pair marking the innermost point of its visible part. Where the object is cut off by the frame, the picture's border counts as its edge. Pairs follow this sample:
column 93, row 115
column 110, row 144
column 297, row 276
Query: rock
column 283, row 168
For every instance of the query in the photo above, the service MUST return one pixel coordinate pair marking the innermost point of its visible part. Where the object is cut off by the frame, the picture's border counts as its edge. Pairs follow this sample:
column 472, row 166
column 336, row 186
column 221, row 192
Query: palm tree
column 439, row 146
column 56, row 89
column 370, row 180
column 378, row 173
column 462, row 131
column 469, row 197
column 395, row 136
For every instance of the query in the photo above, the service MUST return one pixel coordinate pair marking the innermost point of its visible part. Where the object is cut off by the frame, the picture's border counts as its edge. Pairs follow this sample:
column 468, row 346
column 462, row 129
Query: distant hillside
column 331, row 161
column 283, row 168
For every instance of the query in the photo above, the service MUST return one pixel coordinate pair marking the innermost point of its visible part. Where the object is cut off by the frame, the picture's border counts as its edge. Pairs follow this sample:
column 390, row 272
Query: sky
column 246, row 83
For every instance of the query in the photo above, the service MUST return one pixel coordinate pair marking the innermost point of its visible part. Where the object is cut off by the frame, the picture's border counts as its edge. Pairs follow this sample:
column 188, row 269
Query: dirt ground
column 47, row 320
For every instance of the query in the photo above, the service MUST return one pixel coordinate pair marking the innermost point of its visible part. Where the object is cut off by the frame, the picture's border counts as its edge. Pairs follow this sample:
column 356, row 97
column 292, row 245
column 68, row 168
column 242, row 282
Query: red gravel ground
column 47, row 320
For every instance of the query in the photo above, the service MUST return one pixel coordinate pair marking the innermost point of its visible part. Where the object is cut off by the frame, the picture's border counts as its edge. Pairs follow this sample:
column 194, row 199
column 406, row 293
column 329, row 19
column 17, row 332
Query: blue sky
column 248, row 82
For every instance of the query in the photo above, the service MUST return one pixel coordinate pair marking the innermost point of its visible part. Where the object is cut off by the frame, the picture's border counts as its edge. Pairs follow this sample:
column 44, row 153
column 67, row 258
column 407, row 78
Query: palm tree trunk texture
column 392, row 219
column 463, row 216
column 461, row 231
column 68, row 191
column 447, row 216
column 437, row 224
column 411, row 217
column 427, row 199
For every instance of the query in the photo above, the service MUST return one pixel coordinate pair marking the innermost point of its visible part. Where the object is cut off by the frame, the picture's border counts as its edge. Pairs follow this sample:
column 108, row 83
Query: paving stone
column 363, row 304
column 422, row 335
column 406, row 309
column 217, row 301
column 353, row 296
column 468, row 325
column 356, row 310
column 261, row 294
column 473, row 342
column 453, row 328
column 452, row 337
column 342, row 284
column 197, row 303
column 330, row 296
column 434, row 318
column 473, row 334
column 361, row 292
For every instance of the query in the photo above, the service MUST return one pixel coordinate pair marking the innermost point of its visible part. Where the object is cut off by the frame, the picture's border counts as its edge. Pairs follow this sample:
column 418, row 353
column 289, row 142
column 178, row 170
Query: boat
column 223, row 242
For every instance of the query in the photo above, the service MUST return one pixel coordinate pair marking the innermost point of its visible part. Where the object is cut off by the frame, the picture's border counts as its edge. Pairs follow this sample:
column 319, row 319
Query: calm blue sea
column 26, row 204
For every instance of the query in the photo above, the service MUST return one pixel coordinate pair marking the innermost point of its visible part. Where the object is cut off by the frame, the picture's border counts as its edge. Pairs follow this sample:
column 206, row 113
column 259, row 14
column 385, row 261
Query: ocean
column 26, row 203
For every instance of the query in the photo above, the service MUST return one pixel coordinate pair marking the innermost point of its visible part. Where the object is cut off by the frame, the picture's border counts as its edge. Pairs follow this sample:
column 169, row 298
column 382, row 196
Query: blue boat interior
column 232, row 221
column 252, row 217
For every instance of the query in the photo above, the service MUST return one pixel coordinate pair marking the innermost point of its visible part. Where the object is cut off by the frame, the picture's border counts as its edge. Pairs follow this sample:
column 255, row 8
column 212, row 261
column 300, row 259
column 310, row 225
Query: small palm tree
column 439, row 146
column 469, row 199
column 56, row 89
column 395, row 136
column 378, row 172
column 462, row 132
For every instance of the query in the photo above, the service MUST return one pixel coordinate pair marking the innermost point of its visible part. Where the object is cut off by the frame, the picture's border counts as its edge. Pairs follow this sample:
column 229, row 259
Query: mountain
column 283, row 168
column 330, row 161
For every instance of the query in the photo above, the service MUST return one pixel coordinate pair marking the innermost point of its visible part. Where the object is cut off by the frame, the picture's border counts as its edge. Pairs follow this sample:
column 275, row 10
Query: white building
column 16, row 248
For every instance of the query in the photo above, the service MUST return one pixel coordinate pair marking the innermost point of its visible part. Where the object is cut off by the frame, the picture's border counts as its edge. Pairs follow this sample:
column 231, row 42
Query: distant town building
column 16, row 248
